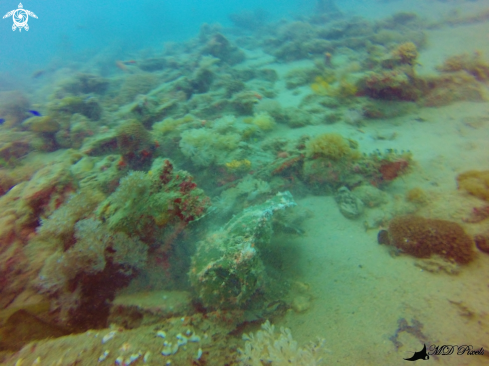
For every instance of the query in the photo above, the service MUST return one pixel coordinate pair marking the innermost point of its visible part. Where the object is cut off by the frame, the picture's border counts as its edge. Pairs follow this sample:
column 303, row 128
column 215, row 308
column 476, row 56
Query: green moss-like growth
column 295, row 117
column 262, row 120
column 69, row 105
column 331, row 146
column 134, row 142
column 474, row 64
column 149, row 204
column 45, row 124
column 13, row 107
column 308, row 76
column 243, row 102
column 169, row 125
column 475, row 182
column 85, row 84
column 211, row 145
column 406, row 53
column 220, row 47
column 395, row 84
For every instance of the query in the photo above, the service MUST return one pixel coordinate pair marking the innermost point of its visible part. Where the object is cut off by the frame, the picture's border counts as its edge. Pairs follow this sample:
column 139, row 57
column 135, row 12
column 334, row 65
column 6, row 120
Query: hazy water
column 72, row 29
column 68, row 29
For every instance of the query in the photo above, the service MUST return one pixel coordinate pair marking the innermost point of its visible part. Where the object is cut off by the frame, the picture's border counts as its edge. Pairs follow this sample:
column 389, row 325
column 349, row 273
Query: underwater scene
column 303, row 182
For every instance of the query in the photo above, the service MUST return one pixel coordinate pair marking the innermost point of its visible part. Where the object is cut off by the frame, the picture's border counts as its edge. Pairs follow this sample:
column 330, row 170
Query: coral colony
column 169, row 177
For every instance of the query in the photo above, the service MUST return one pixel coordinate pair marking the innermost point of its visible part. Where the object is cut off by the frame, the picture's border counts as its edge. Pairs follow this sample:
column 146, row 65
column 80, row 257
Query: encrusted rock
column 349, row 205
column 482, row 243
column 301, row 304
column 227, row 269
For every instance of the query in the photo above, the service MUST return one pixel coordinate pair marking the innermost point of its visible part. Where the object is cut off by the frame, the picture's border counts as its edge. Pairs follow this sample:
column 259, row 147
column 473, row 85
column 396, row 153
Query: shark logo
column 421, row 355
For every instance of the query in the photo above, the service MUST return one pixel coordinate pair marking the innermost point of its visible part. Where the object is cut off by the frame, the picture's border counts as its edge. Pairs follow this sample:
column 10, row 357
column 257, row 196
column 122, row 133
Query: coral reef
column 210, row 145
column 85, row 84
column 304, row 76
column 395, row 78
column 93, row 204
column 396, row 84
column 370, row 195
column 392, row 169
column 321, row 85
column 68, row 105
column 45, row 124
column 244, row 102
column 134, row 142
column 406, row 53
column 278, row 349
column 475, row 182
column 262, row 120
column 473, row 64
column 452, row 87
column 80, row 128
column 220, row 47
column 169, row 125
column 350, row 168
column 417, row 196
column 97, row 254
column 422, row 238
column 61, row 223
column 13, row 107
column 146, row 204
column 143, row 345
column 238, row 165
column 134, row 85
column 226, row 270
column 478, row 214
column 329, row 145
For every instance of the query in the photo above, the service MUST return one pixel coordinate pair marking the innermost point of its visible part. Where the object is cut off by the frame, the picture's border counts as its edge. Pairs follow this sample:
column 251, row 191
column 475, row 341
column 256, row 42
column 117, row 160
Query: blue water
column 72, row 29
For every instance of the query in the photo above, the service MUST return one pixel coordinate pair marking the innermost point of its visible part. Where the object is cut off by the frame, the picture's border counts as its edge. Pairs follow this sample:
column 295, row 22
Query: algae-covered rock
column 349, row 205
column 244, row 102
column 88, row 106
column 371, row 196
column 132, row 137
column 227, row 270
column 211, row 145
column 98, row 173
column 79, row 130
column 101, row 143
column 153, row 64
column 85, row 84
column 13, row 107
column 220, row 47
column 151, row 204
column 45, row 124
column 13, row 146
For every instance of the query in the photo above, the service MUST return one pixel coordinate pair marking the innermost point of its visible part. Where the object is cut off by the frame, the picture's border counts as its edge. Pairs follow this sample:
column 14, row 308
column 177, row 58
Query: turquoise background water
column 73, row 29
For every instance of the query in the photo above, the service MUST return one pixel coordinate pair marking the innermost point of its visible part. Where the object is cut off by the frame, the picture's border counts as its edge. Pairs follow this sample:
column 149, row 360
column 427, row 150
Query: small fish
column 2, row 121
column 121, row 65
column 37, row 74
column 129, row 62
column 35, row 113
